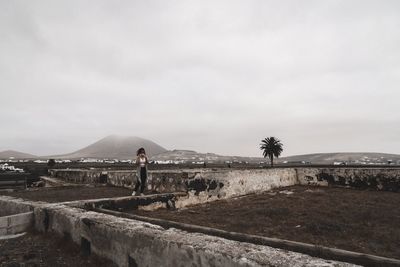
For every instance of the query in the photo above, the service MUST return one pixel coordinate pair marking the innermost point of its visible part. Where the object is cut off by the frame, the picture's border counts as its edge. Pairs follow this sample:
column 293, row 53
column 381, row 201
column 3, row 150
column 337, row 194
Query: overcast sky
column 212, row 76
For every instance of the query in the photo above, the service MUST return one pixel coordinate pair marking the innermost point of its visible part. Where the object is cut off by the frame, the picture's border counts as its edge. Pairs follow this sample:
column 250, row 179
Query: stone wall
column 201, row 184
column 11, row 206
column 207, row 184
column 14, row 224
column 129, row 242
column 158, row 181
column 386, row 179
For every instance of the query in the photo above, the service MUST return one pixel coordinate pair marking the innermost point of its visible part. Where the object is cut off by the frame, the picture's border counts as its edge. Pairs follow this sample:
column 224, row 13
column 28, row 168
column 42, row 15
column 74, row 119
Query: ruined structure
column 101, row 227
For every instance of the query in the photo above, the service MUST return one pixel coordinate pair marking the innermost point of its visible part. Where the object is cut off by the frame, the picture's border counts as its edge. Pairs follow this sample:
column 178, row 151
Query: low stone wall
column 386, row 179
column 213, row 185
column 158, row 181
column 11, row 206
column 15, row 224
column 202, row 185
column 79, row 176
column 149, row 202
column 15, row 215
column 208, row 184
column 130, row 242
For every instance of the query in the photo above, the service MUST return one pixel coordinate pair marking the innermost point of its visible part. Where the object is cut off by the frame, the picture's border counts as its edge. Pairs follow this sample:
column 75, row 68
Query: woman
column 141, row 174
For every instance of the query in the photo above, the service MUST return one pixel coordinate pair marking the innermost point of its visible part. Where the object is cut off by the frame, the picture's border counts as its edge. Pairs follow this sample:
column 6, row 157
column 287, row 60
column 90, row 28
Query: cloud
column 217, row 77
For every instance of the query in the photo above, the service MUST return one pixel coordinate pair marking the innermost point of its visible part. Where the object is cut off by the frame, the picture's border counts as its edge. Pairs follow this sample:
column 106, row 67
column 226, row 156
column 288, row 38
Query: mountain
column 125, row 147
column 189, row 156
column 350, row 157
column 15, row 154
column 115, row 147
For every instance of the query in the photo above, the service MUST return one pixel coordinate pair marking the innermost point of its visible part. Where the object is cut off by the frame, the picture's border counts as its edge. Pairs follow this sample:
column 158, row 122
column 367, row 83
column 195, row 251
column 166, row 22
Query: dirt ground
column 362, row 221
column 35, row 249
column 62, row 194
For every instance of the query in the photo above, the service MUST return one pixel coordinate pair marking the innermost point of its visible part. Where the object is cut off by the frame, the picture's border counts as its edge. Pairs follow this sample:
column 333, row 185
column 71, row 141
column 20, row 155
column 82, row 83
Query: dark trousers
column 142, row 180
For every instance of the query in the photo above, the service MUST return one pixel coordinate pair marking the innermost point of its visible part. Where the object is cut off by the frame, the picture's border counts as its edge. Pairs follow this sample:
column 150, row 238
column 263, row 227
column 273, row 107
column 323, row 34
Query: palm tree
column 271, row 147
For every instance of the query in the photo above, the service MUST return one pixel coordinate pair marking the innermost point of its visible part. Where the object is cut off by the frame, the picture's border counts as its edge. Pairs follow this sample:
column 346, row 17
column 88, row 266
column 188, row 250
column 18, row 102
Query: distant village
column 9, row 168
column 368, row 161
column 129, row 161
column 4, row 163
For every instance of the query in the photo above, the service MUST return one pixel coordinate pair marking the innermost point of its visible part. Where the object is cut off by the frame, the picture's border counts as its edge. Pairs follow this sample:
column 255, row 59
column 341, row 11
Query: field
column 34, row 249
column 361, row 221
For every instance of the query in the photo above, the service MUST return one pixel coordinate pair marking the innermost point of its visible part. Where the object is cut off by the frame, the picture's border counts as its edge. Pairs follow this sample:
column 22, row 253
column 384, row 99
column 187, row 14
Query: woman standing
column 141, row 174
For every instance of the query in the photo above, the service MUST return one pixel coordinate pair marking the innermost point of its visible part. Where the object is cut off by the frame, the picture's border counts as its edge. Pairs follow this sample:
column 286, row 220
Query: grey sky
column 212, row 76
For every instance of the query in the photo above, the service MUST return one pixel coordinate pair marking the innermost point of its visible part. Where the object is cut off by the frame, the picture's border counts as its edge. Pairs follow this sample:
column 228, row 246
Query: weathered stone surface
column 221, row 183
column 124, row 240
column 15, row 224
column 386, row 179
column 213, row 185
column 159, row 181
column 15, row 215
column 10, row 206
column 190, row 180
column 148, row 202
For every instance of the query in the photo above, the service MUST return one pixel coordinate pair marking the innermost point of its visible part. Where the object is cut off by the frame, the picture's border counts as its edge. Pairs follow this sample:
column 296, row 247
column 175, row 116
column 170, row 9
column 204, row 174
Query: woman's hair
column 140, row 151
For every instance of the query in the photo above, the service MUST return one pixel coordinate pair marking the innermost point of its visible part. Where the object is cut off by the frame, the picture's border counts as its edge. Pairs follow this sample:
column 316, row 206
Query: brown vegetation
column 34, row 249
column 361, row 221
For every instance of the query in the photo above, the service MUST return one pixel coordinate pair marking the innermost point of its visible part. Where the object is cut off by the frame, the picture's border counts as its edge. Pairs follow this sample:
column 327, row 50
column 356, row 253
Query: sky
column 211, row 76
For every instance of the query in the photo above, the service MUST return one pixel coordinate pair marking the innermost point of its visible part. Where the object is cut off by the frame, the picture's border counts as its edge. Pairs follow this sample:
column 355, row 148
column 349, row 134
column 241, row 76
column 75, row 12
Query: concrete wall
column 15, row 215
column 129, row 242
column 184, row 180
column 11, row 206
column 15, row 224
column 207, row 184
column 158, row 181
column 385, row 179
column 148, row 202
column 213, row 185
column 202, row 185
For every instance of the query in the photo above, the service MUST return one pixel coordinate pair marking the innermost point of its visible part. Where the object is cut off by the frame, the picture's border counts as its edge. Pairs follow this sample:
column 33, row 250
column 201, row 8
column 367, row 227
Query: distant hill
column 115, row 147
column 15, row 154
column 351, row 157
column 125, row 147
column 193, row 156
column 189, row 156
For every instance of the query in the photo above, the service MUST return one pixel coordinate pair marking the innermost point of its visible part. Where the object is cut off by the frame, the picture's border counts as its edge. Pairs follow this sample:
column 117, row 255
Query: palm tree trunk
column 272, row 160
